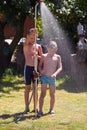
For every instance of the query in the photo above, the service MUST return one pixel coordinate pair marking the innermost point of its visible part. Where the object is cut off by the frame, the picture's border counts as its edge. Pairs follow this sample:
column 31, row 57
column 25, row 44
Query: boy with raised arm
column 30, row 49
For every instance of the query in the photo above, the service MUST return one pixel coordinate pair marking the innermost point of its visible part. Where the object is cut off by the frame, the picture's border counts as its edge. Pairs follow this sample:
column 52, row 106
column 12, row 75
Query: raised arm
column 41, row 62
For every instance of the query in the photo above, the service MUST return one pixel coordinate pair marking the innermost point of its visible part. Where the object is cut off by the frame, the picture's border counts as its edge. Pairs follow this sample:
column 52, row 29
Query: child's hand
column 36, row 74
column 53, row 76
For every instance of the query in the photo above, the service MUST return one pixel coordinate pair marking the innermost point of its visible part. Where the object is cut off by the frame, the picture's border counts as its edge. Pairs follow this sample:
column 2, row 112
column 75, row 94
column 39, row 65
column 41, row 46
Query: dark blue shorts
column 28, row 74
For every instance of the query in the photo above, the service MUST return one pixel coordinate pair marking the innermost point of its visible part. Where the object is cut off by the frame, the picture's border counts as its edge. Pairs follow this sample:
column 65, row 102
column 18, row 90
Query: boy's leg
column 42, row 95
column 52, row 97
column 26, row 96
column 35, row 96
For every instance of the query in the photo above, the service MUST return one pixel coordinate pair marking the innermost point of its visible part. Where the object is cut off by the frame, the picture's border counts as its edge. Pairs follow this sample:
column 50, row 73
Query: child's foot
column 40, row 113
column 51, row 112
column 26, row 111
column 34, row 111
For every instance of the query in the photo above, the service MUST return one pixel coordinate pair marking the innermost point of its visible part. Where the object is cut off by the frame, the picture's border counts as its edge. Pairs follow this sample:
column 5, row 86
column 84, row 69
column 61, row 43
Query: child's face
column 51, row 51
column 31, row 37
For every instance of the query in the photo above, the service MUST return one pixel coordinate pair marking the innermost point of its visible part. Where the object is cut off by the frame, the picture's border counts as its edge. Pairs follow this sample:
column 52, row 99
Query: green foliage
column 8, row 74
column 81, row 10
column 68, row 12
column 15, row 10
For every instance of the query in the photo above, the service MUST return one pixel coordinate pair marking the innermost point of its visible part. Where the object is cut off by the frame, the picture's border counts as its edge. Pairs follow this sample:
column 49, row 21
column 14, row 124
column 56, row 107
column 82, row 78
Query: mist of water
column 49, row 24
column 53, row 31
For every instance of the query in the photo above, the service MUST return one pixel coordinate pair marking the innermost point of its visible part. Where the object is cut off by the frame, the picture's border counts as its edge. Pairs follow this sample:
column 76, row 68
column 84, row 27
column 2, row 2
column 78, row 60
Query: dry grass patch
column 70, row 108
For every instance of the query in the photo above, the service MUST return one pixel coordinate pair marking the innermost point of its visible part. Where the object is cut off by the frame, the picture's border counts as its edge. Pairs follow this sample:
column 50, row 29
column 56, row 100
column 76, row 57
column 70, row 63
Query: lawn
column 70, row 106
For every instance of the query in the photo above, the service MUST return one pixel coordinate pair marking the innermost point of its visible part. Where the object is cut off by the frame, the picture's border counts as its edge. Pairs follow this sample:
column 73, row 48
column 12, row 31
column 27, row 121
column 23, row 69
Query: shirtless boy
column 50, row 66
column 30, row 49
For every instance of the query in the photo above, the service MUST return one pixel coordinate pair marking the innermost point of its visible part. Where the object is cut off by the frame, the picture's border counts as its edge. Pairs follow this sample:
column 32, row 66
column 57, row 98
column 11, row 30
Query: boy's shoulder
column 25, row 45
column 38, row 44
column 45, row 54
column 57, row 55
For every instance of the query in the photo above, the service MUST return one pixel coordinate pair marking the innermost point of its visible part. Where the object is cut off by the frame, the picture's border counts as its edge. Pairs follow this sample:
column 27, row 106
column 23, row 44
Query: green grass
column 70, row 106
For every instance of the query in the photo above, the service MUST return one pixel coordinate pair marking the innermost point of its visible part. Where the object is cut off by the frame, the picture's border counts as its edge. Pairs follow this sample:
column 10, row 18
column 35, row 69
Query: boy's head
column 31, row 35
column 52, row 47
column 32, row 31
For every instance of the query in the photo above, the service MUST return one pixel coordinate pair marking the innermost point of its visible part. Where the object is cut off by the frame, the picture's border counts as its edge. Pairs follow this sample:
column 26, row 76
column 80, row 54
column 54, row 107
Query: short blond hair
column 52, row 44
column 31, row 30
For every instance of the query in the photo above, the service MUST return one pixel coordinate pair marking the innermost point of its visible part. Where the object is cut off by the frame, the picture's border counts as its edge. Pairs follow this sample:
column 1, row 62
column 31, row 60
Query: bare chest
column 31, row 50
column 50, row 61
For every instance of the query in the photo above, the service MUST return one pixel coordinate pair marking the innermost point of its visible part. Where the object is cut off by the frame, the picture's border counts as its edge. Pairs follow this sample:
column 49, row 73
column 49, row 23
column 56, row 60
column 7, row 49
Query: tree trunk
column 2, row 25
column 12, row 47
column 2, row 59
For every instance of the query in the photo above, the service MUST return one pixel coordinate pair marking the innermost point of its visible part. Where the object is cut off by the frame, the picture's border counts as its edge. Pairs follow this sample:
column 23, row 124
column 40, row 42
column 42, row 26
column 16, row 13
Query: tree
column 69, row 13
column 14, row 12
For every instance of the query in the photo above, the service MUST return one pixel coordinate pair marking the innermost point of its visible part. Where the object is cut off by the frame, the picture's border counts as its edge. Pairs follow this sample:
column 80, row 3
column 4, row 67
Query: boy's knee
column 52, row 95
column 27, row 88
column 43, row 95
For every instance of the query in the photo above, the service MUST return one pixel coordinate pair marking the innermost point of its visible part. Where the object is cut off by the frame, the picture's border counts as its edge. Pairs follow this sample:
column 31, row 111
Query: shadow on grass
column 7, row 86
column 72, row 84
column 17, row 117
column 68, row 83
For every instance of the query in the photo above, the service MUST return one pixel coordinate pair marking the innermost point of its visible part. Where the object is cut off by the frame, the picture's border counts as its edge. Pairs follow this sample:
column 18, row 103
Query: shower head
column 41, row 0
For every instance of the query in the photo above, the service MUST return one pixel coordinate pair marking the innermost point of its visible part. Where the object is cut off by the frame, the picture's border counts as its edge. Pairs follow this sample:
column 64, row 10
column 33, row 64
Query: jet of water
column 49, row 24
column 53, row 31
